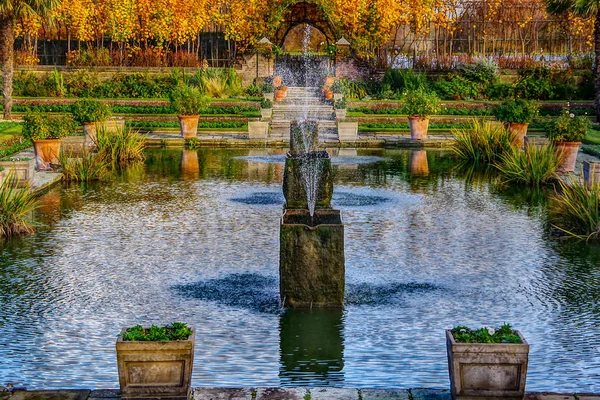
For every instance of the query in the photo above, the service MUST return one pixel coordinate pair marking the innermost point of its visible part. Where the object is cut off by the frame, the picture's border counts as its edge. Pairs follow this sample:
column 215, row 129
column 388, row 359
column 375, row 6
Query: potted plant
column 327, row 92
column 340, row 109
column 419, row 105
column 156, row 362
column 487, row 362
column 46, row 133
column 266, row 108
column 567, row 132
column 338, row 90
column 277, row 81
column 329, row 81
column 516, row 114
column 88, row 113
column 188, row 102
column 268, row 91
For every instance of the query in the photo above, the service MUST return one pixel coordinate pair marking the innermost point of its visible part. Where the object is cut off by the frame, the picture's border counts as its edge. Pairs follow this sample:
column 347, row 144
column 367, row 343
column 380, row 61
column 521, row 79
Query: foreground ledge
column 269, row 393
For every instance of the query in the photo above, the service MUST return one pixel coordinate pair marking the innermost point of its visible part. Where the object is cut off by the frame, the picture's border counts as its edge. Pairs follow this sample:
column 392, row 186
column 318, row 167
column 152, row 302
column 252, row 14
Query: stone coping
column 275, row 393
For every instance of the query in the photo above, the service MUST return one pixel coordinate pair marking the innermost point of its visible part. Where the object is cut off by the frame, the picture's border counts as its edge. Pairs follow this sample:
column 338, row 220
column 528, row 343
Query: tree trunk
column 597, row 66
column 7, row 42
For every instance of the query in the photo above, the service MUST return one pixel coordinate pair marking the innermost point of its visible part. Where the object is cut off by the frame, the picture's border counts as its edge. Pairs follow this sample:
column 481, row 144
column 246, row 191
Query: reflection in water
column 418, row 162
column 190, row 166
column 312, row 347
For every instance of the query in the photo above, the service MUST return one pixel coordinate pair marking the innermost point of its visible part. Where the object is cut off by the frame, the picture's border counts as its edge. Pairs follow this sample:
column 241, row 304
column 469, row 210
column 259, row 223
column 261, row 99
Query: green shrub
column 503, row 334
column 16, row 206
column 175, row 331
column 534, row 166
column 534, row 83
column 482, row 142
column 340, row 105
column 483, row 72
column 568, row 128
column 421, row 103
column 399, row 80
column 188, row 100
column 455, row 87
column 516, row 111
column 87, row 111
column 576, row 209
column 266, row 103
column 38, row 126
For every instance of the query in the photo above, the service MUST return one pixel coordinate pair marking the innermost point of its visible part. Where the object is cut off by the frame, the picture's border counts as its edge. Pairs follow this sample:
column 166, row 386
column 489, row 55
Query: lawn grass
column 593, row 136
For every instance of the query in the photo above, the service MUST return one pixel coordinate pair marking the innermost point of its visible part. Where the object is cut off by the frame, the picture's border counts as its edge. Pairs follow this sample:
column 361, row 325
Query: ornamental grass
column 575, row 209
column 120, row 147
column 16, row 206
column 534, row 166
column 482, row 142
column 88, row 167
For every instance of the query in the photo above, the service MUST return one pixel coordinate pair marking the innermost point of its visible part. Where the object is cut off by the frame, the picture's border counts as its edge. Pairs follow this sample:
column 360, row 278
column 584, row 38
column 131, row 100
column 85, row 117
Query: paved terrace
column 266, row 393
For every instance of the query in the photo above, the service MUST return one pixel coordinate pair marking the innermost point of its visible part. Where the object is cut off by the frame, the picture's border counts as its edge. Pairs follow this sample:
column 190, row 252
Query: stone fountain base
column 311, row 259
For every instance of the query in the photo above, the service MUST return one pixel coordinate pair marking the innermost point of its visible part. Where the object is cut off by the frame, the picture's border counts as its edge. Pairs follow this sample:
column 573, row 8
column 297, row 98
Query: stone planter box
column 536, row 141
column 340, row 113
column 269, row 96
column 111, row 125
column 266, row 113
column 338, row 96
column 591, row 172
column 348, row 131
column 155, row 369
column 481, row 370
column 258, row 130
column 22, row 169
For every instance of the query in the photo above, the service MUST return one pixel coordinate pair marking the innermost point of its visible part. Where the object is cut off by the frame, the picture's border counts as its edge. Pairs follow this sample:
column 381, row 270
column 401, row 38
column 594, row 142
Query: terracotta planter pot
column 418, row 127
column 156, row 369
column 482, row 370
column 519, row 131
column 328, row 94
column 329, row 81
column 91, row 137
column 279, row 95
column 277, row 81
column 284, row 89
column 46, row 152
column 569, row 152
column 418, row 162
column 188, row 125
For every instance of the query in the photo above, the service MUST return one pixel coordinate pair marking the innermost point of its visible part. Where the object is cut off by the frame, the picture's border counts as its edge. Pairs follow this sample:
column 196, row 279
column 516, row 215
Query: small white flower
column 463, row 330
column 491, row 331
column 571, row 115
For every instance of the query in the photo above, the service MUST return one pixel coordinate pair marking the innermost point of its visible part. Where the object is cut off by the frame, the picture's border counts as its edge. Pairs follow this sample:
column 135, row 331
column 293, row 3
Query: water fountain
column 311, row 263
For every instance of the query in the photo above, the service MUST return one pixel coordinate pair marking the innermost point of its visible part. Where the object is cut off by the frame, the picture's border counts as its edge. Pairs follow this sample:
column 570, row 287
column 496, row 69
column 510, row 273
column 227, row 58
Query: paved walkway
column 266, row 393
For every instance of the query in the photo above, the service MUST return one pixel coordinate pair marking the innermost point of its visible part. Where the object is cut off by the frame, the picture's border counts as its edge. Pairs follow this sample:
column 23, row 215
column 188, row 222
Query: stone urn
column 418, row 127
column 46, row 153
column 569, row 151
column 487, row 370
column 519, row 131
column 188, row 125
column 155, row 369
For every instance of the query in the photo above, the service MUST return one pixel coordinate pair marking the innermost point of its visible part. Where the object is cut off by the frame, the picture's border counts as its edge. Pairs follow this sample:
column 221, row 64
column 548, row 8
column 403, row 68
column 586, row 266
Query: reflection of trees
column 312, row 347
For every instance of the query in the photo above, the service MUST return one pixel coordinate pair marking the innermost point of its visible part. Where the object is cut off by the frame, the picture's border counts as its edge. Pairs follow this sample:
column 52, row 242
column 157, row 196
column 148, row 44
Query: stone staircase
column 303, row 103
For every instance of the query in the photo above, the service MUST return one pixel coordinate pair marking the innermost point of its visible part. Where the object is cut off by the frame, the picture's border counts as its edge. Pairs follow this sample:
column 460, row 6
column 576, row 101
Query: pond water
column 193, row 236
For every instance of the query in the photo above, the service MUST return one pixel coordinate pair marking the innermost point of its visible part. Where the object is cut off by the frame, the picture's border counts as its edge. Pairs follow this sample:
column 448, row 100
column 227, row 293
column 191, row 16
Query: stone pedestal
column 311, row 259
column 294, row 189
column 591, row 172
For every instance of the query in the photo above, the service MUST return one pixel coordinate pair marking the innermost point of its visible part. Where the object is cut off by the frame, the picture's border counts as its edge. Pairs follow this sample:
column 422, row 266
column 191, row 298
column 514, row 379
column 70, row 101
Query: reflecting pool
column 194, row 237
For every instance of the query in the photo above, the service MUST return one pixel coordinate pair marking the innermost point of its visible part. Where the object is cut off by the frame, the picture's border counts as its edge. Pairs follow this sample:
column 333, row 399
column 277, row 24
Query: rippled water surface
column 194, row 237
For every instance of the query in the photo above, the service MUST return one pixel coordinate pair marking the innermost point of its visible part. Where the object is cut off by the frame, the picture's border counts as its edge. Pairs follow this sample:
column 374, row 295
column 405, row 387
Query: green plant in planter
column 503, row 334
column 175, row 331
column 420, row 103
column 87, row 111
column 517, row 111
column 38, row 126
column 338, row 87
column 568, row 128
column 188, row 100
column 340, row 105
column 268, row 88
column 266, row 103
